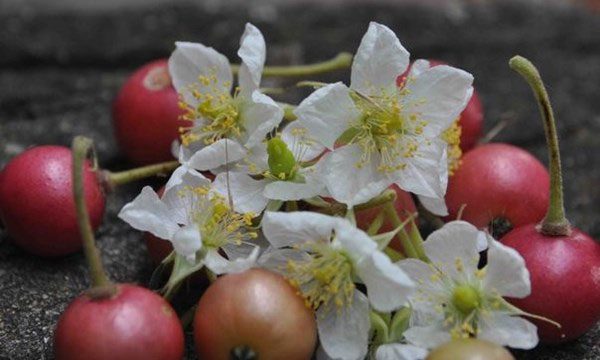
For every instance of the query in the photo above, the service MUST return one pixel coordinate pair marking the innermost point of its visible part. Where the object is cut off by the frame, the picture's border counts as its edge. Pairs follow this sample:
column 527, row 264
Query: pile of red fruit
column 257, row 314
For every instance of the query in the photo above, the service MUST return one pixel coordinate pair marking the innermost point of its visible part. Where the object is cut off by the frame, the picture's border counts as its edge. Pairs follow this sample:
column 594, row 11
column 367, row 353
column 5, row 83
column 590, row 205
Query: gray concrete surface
column 59, row 73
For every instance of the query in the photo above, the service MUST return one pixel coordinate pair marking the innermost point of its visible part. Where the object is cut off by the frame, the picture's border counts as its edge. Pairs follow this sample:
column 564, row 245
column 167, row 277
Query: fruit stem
column 555, row 222
column 407, row 245
column 342, row 60
column 114, row 179
column 81, row 148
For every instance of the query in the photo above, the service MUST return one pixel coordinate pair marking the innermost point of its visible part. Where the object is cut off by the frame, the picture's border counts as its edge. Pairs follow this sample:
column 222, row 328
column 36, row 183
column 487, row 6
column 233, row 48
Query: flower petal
column 179, row 202
column 187, row 241
column 505, row 330
column 247, row 193
column 286, row 229
column 215, row 155
column 434, row 205
column 453, row 249
column 260, row 116
column 380, row 58
column 388, row 287
column 148, row 213
column 220, row 265
column 427, row 337
column 327, row 113
column 417, row 67
column 506, row 272
column 278, row 259
column 349, row 184
column 429, row 288
column 356, row 242
column 302, row 145
column 400, row 352
column 437, row 96
column 287, row 190
column 191, row 60
column 345, row 334
column 253, row 53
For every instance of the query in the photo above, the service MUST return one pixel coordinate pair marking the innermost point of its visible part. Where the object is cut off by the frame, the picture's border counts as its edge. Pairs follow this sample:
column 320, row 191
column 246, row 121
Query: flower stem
column 81, row 147
column 115, row 179
column 409, row 249
column 555, row 222
column 380, row 327
column 342, row 60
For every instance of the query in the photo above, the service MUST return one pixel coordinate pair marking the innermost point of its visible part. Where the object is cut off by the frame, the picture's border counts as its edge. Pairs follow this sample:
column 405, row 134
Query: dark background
column 60, row 68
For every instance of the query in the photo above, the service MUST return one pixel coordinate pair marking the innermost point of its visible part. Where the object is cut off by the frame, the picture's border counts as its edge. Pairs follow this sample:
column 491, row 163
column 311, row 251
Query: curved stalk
column 342, row 60
column 114, row 179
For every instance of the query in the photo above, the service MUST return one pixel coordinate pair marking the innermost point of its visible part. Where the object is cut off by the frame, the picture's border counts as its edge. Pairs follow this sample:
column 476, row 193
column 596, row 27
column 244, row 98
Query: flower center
column 324, row 278
column 465, row 299
column 217, row 110
column 452, row 137
column 282, row 164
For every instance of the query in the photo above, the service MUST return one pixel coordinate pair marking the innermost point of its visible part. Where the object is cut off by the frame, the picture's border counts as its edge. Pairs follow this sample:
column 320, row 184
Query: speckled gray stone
column 59, row 73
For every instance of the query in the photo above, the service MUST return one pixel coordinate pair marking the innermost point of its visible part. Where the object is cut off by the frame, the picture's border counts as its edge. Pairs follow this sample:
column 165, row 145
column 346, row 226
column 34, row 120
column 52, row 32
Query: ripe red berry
column 499, row 184
column 134, row 323
column 37, row 205
column 146, row 115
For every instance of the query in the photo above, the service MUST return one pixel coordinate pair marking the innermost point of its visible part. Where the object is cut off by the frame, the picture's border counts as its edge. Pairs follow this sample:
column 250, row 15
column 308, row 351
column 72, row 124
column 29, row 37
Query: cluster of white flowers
column 347, row 145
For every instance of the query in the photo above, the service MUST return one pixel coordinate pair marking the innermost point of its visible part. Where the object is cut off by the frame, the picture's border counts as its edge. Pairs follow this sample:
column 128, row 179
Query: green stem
column 342, row 60
column 407, row 245
column 81, row 147
column 380, row 327
column 115, row 179
column 288, row 111
column 555, row 223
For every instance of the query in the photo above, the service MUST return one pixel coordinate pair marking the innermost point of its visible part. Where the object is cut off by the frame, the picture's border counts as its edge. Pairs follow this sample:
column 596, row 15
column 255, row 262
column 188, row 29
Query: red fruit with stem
column 564, row 262
column 36, row 201
column 146, row 114
column 254, row 314
column 113, row 321
column 500, row 186
column 471, row 119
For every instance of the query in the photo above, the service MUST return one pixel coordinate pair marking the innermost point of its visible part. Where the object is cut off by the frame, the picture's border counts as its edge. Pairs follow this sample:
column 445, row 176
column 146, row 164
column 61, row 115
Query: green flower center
column 282, row 164
column 465, row 299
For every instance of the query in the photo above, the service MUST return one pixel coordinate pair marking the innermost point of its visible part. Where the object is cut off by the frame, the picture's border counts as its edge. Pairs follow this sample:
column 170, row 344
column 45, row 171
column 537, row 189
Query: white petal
column 287, row 190
column 180, row 202
column 345, row 334
column 436, row 206
column 426, row 173
column 302, row 145
column 219, row 265
column 260, row 115
column 437, row 95
column 427, row 337
column 215, row 155
column 455, row 241
column 148, row 213
column 286, row 229
column 506, row 272
column 327, row 113
column 277, row 259
column 247, row 193
column 252, row 52
column 256, row 160
column 511, row 331
column 400, row 352
column 356, row 242
column 190, row 60
column 388, row 287
column 184, row 176
column 429, row 288
column 187, row 241
column 350, row 184
column 380, row 58
column 418, row 66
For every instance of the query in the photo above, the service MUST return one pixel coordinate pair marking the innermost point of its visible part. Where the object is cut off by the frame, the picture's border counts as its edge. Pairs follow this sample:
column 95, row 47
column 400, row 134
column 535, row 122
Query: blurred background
column 63, row 61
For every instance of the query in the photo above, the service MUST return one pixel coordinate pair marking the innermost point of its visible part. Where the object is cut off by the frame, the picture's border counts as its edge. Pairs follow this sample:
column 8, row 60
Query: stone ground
column 60, row 72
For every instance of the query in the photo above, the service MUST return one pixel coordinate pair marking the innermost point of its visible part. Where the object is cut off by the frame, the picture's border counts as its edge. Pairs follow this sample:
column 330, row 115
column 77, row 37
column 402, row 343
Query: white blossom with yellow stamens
column 224, row 125
column 456, row 299
column 198, row 222
column 325, row 257
column 380, row 133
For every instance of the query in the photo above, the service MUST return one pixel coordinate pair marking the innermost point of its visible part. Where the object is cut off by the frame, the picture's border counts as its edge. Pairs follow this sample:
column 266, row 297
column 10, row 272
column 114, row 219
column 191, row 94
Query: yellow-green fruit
column 469, row 349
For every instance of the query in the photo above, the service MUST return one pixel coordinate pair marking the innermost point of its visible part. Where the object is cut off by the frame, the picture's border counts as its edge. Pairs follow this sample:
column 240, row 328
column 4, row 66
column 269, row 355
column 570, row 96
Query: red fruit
column 135, row 323
column 146, row 115
column 471, row 119
column 257, row 309
column 37, row 205
column 565, row 281
column 499, row 182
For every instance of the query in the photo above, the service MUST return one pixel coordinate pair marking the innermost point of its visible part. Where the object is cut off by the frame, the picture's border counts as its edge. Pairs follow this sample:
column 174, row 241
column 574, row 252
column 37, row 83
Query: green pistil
column 282, row 163
column 466, row 299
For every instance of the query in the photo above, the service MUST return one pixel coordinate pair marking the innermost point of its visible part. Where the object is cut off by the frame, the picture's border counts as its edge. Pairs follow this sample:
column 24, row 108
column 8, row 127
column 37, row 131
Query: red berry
column 37, row 205
column 499, row 181
column 471, row 119
column 146, row 115
column 133, row 324
column 565, row 281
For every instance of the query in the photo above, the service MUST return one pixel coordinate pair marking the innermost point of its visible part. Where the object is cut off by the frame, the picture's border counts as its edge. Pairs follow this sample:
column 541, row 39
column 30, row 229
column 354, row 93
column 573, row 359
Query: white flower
column 225, row 125
column 280, row 174
column 380, row 133
column 323, row 256
column 455, row 299
column 400, row 352
column 197, row 222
